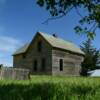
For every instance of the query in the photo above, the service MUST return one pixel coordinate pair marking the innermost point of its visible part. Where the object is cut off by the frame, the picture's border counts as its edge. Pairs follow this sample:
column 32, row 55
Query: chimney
column 54, row 35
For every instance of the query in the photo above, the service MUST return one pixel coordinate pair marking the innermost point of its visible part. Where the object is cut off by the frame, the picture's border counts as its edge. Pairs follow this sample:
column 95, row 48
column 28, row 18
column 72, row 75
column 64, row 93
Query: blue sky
column 21, row 19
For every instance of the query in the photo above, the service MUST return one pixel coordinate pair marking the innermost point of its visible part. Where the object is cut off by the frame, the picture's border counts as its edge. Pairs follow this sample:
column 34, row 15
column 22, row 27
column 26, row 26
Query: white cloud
column 8, row 46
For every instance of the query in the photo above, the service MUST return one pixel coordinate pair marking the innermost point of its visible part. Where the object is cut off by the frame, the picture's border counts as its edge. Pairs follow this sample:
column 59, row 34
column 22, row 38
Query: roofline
column 18, row 54
column 44, row 38
column 83, row 54
column 39, row 33
column 69, row 51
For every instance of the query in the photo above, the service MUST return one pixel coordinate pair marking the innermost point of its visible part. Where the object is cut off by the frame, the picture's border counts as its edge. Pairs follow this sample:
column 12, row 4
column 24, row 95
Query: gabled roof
column 54, row 42
column 22, row 49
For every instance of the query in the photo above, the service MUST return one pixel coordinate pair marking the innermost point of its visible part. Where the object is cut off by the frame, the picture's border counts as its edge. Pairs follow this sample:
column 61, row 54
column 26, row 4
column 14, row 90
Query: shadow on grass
column 45, row 91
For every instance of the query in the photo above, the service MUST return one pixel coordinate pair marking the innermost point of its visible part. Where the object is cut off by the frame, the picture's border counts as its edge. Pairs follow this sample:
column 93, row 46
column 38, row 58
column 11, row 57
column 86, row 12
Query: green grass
column 51, row 88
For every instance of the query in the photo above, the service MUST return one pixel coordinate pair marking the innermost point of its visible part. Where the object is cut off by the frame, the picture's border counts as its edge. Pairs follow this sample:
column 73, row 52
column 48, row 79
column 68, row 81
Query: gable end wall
column 32, row 54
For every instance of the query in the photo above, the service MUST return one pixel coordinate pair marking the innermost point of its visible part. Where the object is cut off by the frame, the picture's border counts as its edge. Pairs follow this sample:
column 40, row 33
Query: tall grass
column 51, row 88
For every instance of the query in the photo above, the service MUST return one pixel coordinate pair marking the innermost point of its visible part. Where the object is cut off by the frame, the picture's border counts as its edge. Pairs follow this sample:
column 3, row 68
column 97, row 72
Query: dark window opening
column 43, row 64
column 24, row 56
column 35, row 65
column 61, row 64
column 39, row 46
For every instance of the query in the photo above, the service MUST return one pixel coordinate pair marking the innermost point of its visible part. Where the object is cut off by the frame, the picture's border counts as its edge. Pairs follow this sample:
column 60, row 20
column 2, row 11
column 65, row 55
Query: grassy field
column 51, row 88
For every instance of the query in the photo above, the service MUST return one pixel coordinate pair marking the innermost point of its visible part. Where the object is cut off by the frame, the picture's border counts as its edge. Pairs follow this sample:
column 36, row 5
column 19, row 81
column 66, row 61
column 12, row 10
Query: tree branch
column 52, row 18
column 77, row 11
column 94, row 26
column 58, row 17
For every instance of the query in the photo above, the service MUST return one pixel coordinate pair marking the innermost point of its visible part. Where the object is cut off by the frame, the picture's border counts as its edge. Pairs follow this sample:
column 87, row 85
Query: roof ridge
column 61, row 43
column 54, row 42
column 55, row 37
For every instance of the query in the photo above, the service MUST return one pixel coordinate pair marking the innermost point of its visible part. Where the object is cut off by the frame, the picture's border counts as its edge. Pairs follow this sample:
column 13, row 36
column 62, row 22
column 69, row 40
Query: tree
column 60, row 8
column 92, row 57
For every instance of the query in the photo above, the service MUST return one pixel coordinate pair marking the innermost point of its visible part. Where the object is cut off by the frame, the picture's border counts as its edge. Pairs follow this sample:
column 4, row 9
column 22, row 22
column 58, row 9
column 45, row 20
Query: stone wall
column 14, row 73
column 71, row 63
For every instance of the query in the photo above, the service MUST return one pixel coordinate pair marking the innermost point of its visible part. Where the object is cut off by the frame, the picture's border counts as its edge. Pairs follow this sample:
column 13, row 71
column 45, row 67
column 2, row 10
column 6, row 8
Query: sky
column 21, row 19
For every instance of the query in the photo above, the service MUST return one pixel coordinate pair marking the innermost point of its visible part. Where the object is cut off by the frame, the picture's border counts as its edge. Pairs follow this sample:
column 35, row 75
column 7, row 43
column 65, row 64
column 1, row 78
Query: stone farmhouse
column 49, row 55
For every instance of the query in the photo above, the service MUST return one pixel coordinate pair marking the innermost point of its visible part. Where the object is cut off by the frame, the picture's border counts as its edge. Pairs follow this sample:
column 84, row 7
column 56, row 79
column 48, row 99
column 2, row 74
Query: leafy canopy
column 60, row 8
